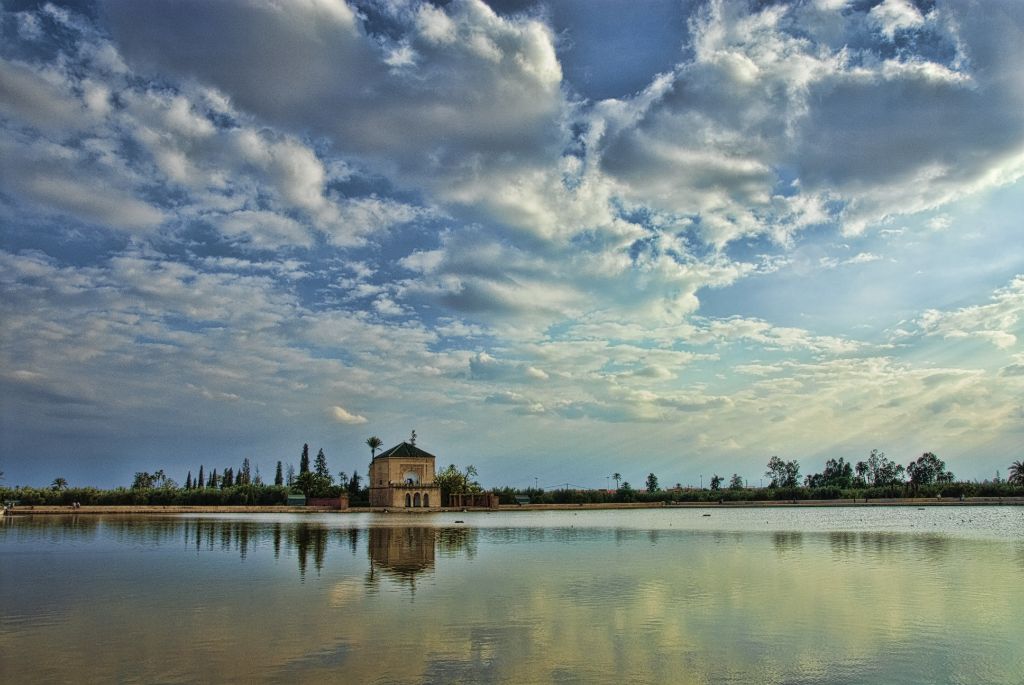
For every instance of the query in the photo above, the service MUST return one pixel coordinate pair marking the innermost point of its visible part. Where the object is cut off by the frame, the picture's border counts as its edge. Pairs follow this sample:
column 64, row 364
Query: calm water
column 893, row 595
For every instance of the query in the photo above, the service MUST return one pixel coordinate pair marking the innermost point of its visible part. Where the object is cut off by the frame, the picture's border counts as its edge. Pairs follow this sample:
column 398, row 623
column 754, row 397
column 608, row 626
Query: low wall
column 328, row 502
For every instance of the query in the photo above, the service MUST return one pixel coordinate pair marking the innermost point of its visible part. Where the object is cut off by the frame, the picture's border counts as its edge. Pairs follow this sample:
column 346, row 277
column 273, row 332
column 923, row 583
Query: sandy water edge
column 135, row 510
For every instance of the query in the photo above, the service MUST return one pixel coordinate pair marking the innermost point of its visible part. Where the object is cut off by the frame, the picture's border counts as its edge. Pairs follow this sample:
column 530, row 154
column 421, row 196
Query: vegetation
column 1016, row 476
column 451, row 480
column 877, row 477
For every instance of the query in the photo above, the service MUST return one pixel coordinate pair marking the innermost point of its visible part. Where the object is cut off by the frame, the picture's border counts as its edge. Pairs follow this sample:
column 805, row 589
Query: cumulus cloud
column 342, row 415
column 708, row 140
column 385, row 196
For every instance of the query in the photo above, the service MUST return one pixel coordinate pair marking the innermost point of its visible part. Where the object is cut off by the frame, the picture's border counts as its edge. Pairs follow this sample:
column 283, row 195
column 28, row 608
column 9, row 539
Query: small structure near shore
column 403, row 478
column 476, row 500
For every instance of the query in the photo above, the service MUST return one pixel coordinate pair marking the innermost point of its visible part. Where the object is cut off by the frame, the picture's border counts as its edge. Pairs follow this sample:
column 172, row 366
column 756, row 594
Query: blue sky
column 557, row 239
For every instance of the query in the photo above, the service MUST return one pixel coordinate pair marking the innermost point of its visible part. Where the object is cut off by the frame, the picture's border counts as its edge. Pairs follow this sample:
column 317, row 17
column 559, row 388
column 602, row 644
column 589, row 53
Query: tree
column 200, row 483
column 59, row 484
column 353, row 486
column 928, row 469
column 214, row 480
column 290, row 480
column 322, row 479
column 279, row 475
column 782, row 474
column 245, row 473
column 228, row 479
column 188, row 481
column 837, row 474
column 616, row 477
column 1016, row 473
column 716, row 482
column 320, row 466
column 144, row 480
column 652, row 483
column 736, row 482
column 304, row 459
column 451, row 480
column 343, row 480
column 879, row 470
column 374, row 444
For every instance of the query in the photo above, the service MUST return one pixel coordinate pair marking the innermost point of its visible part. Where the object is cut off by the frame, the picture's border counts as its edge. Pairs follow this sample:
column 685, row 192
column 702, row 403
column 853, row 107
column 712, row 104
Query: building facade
column 403, row 478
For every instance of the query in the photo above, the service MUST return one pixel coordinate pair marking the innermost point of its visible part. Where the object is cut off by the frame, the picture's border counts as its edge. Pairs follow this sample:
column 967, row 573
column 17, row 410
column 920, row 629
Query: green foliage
column 1016, row 474
column 304, row 459
column 837, row 474
column 451, row 480
column 374, row 443
column 145, row 480
column 253, row 495
column 278, row 475
column 879, row 471
column 783, row 474
column 736, row 482
column 652, row 483
column 928, row 469
column 244, row 473
column 716, row 482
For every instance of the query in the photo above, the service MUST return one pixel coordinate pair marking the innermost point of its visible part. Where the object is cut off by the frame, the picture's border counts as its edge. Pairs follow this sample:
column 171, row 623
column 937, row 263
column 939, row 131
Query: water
column 848, row 595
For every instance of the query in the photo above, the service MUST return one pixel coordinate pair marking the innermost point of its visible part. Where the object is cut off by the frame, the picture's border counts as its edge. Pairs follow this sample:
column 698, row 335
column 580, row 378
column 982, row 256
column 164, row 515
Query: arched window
column 426, row 499
column 408, row 500
column 416, row 500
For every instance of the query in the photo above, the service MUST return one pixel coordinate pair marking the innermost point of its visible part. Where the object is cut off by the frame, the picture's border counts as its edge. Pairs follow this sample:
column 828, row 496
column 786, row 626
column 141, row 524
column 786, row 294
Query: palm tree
column 1016, row 475
column 59, row 484
column 374, row 443
column 616, row 477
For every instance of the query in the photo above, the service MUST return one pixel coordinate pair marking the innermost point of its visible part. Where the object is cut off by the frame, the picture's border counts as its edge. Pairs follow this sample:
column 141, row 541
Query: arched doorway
column 416, row 500
column 426, row 499
column 408, row 500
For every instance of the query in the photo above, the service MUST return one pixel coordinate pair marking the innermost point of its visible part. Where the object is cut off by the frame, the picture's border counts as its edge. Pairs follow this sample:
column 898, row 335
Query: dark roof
column 404, row 449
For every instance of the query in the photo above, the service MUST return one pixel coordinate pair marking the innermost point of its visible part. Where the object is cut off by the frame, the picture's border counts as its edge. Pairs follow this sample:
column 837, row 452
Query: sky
column 559, row 240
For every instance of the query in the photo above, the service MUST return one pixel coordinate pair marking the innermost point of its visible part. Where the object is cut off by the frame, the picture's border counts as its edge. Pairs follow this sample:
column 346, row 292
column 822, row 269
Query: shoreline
column 159, row 510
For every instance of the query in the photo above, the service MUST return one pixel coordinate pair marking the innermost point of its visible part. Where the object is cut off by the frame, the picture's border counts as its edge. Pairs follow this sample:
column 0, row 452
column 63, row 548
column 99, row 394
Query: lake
column 780, row 595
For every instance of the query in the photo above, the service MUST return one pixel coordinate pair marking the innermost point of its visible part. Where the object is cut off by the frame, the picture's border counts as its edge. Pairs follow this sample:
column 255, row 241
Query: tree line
column 875, row 477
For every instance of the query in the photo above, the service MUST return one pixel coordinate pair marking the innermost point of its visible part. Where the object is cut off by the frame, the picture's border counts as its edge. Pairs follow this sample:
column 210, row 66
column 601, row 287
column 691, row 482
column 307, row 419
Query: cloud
column 342, row 415
column 481, row 86
column 995, row 322
column 891, row 16
column 709, row 139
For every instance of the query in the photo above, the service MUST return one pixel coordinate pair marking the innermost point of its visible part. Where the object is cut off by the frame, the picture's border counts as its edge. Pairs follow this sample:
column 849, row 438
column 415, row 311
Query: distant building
column 403, row 478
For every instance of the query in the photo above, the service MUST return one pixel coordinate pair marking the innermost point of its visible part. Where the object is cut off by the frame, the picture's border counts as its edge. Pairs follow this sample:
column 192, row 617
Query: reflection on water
column 508, row 598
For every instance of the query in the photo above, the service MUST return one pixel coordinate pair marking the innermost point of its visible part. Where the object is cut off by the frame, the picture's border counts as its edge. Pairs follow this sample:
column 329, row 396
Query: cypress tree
column 304, row 460
column 212, row 483
column 321, row 465
column 188, row 481
column 245, row 475
column 279, row 475
column 229, row 478
column 200, row 483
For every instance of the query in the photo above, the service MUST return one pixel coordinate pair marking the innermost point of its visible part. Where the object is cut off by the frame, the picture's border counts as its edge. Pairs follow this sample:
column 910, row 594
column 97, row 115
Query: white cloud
column 342, row 415
column 996, row 322
column 891, row 16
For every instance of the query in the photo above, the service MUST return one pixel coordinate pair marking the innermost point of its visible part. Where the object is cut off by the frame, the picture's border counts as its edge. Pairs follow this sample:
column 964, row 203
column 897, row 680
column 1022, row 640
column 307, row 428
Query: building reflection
column 401, row 554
